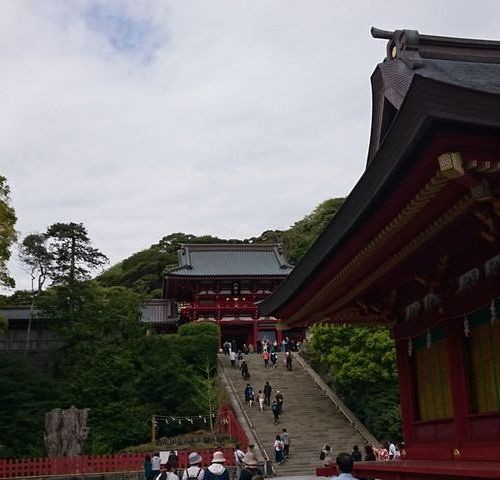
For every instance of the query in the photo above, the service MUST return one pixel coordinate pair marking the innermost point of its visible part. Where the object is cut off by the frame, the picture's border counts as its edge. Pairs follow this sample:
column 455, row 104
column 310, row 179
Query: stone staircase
column 309, row 416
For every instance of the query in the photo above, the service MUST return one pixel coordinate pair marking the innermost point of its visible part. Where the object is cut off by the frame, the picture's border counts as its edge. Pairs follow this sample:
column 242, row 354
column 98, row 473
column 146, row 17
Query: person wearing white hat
column 194, row 471
column 217, row 470
column 250, row 470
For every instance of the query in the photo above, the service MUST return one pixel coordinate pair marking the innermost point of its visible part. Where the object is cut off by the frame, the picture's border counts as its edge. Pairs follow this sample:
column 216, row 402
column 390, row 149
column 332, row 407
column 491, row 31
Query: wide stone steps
column 309, row 416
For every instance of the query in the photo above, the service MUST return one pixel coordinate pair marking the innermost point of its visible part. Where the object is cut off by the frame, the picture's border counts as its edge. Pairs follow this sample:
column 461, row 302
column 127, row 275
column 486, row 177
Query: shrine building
column 416, row 247
column 222, row 283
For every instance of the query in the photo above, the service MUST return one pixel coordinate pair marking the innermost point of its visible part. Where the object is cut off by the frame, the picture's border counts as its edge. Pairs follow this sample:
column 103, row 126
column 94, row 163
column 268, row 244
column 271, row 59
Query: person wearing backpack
column 167, row 472
column 276, row 411
column 250, row 471
column 249, row 395
column 239, row 455
column 194, row 472
column 217, row 470
column 278, row 450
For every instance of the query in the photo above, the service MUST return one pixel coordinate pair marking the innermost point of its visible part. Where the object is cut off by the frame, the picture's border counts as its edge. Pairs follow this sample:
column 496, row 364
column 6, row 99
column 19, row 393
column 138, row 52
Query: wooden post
column 153, row 431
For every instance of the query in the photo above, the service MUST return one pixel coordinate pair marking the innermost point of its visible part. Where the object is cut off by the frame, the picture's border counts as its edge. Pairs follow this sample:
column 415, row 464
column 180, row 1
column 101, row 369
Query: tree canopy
column 8, row 233
column 361, row 361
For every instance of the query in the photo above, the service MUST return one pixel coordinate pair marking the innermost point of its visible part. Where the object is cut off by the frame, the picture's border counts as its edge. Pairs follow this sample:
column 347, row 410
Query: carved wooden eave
column 417, row 204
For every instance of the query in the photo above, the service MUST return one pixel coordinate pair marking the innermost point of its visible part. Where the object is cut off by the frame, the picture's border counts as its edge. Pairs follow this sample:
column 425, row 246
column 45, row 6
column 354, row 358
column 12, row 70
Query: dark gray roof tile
column 231, row 260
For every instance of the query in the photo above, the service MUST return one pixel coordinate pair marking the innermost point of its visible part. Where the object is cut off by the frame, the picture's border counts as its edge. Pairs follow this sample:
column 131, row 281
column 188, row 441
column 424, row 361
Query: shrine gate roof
column 424, row 82
column 231, row 260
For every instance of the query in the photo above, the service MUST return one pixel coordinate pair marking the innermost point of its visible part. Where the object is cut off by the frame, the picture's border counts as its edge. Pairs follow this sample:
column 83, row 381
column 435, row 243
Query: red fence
column 120, row 462
column 229, row 424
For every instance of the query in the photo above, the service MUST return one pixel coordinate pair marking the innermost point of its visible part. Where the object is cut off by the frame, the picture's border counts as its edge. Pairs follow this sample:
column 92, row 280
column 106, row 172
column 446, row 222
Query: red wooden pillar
column 220, row 334
column 406, row 392
column 279, row 336
column 255, row 332
column 220, row 330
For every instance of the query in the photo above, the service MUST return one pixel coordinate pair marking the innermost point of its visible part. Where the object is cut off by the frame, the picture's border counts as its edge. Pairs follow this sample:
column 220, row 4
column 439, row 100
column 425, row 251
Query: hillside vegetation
column 142, row 271
column 109, row 364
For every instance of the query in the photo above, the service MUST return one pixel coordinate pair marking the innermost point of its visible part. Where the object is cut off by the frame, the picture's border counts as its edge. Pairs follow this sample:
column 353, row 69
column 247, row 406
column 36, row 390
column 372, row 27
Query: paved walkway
column 309, row 416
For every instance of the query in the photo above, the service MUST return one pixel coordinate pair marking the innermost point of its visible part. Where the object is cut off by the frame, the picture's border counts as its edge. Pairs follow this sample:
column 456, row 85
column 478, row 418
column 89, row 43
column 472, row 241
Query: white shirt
column 193, row 471
column 170, row 476
column 155, row 463
column 392, row 450
column 238, row 456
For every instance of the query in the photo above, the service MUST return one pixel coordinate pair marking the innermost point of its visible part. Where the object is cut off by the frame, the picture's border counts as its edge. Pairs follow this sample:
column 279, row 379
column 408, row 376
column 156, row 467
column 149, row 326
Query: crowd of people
column 263, row 399
column 246, row 467
column 261, row 346
column 387, row 452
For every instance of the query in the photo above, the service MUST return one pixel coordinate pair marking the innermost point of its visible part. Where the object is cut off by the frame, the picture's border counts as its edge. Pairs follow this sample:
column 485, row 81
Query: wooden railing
column 228, row 423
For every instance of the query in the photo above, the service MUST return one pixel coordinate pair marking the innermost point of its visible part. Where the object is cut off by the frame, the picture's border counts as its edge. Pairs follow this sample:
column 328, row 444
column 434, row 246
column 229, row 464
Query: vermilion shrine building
column 222, row 283
column 416, row 247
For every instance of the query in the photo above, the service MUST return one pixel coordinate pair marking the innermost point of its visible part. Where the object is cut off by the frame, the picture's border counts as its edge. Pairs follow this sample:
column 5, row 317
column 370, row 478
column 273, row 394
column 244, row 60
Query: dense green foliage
column 107, row 364
column 302, row 234
column 362, row 363
column 25, row 396
column 8, row 233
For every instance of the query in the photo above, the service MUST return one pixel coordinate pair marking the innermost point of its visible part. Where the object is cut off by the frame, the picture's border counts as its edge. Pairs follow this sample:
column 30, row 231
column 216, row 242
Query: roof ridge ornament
column 402, row 45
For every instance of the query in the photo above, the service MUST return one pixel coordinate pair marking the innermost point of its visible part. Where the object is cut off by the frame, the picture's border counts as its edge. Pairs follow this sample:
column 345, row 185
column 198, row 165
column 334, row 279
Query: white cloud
column 141, row 118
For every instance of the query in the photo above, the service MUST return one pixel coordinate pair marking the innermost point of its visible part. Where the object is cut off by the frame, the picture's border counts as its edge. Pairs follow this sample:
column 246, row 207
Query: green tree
column 73, row 257
column 8, row 233
column 35, row 256
column 207, row 392
column 362, row 363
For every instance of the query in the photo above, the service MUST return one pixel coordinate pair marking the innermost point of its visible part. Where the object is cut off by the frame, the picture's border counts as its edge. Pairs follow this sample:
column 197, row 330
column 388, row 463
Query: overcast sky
column 140, row 118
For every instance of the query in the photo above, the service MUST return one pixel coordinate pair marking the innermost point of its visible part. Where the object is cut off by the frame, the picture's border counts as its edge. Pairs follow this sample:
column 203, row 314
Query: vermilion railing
column 229, row 424
column 119, row 462
column 82, row 464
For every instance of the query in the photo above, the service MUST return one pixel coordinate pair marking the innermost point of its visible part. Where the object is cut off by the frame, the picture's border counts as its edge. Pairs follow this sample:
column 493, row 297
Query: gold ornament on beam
column 450, row 164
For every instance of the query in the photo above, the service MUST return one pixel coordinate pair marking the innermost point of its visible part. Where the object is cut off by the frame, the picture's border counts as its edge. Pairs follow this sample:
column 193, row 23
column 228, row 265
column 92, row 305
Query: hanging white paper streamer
column 466, row 327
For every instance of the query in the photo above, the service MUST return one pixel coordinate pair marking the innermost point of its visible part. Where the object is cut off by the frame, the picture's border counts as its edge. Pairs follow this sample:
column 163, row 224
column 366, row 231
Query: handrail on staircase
column 338, row 403
column 267, row 460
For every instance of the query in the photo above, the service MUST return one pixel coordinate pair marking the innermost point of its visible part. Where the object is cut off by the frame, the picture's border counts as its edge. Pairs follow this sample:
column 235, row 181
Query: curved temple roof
column 416, row 84
column 227, row 260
